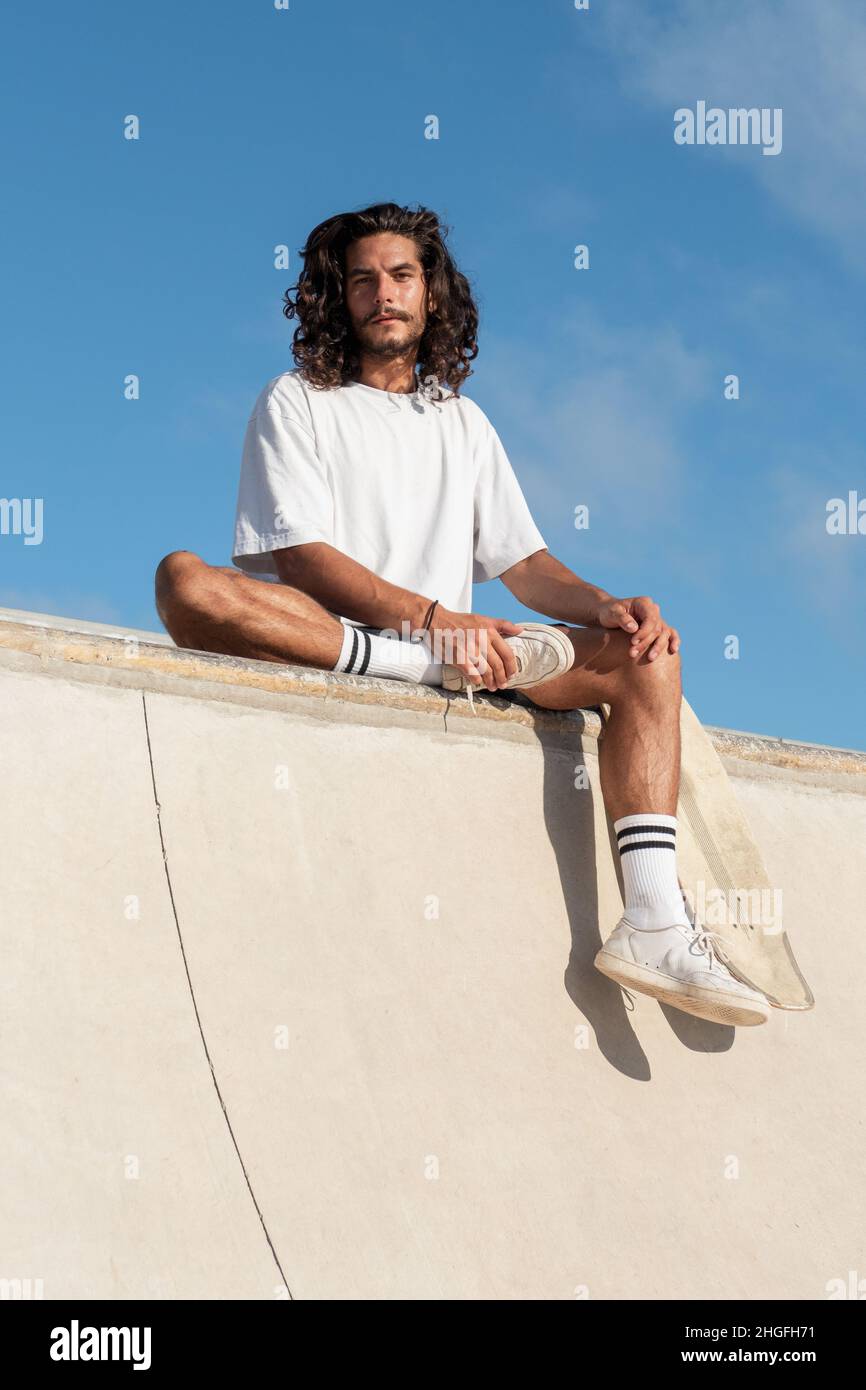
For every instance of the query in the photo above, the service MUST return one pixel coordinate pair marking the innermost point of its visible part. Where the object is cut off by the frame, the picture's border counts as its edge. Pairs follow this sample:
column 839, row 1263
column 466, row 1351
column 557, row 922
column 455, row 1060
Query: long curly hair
column 323, row 344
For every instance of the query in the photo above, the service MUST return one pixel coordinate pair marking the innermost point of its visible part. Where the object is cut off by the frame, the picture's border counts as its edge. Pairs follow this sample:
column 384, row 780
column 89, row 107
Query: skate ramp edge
column 299, row 1000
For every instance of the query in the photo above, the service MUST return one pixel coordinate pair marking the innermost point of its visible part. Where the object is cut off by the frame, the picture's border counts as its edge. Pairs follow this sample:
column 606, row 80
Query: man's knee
column 659, row 679
column 637, row 680
column 177, row 578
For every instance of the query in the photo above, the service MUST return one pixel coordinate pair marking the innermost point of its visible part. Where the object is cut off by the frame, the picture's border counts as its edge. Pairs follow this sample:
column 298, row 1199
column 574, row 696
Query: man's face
column 384, row 276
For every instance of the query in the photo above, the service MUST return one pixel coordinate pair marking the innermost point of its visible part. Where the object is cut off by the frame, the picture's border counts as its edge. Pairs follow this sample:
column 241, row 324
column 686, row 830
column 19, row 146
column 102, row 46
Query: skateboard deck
column 723, row 875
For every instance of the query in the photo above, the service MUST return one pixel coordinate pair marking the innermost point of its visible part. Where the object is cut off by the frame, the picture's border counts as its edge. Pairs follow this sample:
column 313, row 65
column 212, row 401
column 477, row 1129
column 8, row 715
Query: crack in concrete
column 194, row 1003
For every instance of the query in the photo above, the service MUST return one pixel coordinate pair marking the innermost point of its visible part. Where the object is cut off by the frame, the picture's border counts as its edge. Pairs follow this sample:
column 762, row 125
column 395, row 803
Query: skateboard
column 723, row 876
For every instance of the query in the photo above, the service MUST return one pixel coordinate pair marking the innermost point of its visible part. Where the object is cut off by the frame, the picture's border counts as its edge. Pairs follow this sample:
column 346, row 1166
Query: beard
column 394, row 342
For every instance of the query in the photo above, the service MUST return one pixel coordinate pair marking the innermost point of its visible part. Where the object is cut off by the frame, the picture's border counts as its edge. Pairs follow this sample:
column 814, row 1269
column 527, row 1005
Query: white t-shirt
column 422, row 493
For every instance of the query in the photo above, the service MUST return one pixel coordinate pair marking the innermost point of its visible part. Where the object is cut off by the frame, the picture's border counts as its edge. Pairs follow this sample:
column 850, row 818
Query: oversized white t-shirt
column 422, row 493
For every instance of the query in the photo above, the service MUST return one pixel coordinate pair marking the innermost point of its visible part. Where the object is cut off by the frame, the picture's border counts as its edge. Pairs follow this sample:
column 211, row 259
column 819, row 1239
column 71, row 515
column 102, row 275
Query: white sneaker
column 542, row 652
column 679, row 966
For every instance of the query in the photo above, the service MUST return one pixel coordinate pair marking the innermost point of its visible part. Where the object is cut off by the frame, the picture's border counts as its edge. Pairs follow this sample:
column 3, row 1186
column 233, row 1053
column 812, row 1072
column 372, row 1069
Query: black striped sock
column 647, row 849
column 371, row 654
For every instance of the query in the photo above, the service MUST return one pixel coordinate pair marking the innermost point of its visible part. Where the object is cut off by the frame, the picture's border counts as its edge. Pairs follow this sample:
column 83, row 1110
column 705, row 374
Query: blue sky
column 606, row 385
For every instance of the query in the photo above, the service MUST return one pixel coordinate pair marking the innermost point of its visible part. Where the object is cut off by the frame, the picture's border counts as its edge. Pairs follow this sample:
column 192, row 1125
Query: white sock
column 366, row 653
column 647, row 850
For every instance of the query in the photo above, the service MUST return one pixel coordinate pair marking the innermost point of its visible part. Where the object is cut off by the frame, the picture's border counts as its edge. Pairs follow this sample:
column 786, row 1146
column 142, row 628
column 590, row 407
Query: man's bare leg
column 639, row 756
column 217, row 609
column 656, row 947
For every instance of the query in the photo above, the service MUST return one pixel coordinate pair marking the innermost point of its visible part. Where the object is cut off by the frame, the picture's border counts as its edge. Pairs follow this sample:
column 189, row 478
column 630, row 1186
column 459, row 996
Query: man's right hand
column 475, row 644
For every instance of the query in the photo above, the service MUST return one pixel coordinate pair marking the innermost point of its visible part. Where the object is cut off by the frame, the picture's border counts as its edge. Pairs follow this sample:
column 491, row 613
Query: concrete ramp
column 298, row 1001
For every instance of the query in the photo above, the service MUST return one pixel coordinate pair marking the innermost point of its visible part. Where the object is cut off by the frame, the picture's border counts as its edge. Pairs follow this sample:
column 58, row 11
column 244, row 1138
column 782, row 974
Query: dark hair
column 324, row 345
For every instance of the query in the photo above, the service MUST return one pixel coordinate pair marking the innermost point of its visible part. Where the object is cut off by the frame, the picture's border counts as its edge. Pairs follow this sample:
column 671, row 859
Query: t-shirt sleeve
column 504, row 529
column 284, row 496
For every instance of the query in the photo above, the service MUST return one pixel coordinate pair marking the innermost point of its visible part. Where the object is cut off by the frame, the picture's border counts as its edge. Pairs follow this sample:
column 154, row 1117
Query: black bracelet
column 418, row 634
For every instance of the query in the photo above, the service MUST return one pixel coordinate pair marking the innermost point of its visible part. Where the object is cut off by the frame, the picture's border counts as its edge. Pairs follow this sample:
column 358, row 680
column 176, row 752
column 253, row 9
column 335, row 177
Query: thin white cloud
column 806, row 56
column 612, row 429
column 554, row 206
column 596, row 418
column 94, row 608
column 214, row 412
column 828, row 570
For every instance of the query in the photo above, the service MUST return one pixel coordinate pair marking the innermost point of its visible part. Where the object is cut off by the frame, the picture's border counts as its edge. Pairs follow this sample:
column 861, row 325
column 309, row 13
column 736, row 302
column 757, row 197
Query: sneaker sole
column 692, row 999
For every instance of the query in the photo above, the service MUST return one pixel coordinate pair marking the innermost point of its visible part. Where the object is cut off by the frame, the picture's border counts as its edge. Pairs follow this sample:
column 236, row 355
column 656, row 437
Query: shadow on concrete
column 569, row 814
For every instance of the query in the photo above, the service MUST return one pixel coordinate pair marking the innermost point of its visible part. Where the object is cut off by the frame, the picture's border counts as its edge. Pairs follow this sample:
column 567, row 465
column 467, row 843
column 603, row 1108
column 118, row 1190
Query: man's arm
column 547, row 586
column 543, row 583
column 343, row 586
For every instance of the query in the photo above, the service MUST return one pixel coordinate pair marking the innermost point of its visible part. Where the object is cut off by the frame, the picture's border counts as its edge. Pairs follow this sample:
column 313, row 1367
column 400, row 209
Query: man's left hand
column 642, row 618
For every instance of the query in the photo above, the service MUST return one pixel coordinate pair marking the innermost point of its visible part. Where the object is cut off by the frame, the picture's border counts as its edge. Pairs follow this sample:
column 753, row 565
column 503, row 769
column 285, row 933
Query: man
column 372, row 494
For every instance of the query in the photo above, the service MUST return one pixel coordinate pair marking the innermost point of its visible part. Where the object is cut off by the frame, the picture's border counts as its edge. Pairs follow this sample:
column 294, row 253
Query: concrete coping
column 147, row 658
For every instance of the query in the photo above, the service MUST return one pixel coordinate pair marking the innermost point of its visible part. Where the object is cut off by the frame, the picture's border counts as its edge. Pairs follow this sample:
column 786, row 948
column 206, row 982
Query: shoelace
column 470, row 689
column 702, row 939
